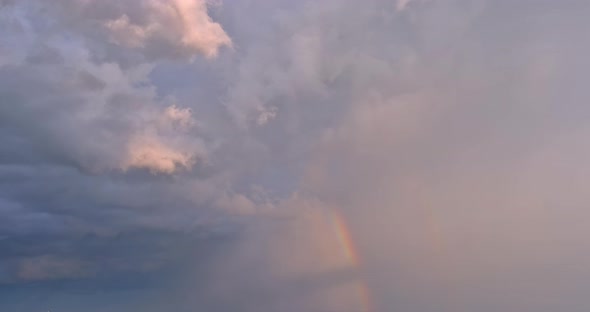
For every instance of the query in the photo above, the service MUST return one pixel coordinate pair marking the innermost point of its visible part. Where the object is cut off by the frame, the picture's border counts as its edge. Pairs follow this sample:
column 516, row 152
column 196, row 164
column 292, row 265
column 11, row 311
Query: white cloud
column 182, row 25
column 149, row 153
column 122, row 32
column 174, row 116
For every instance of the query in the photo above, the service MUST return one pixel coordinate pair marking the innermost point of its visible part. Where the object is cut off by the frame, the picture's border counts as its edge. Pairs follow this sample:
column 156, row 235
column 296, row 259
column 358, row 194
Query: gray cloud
column 409, row 155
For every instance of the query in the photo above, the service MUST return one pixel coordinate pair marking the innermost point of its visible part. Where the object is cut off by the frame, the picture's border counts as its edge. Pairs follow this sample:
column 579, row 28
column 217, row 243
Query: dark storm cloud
column 41, row 258
column 88, row 149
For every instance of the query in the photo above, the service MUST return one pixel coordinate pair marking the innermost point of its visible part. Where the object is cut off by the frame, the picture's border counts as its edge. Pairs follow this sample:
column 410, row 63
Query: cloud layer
column 293, row 156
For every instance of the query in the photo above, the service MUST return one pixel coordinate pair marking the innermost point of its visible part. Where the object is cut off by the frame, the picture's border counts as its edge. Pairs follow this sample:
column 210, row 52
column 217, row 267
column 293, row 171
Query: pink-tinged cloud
column 184, row 24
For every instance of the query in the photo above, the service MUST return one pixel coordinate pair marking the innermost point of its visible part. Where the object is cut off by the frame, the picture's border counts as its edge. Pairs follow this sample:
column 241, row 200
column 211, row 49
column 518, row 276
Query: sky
column 287, row 156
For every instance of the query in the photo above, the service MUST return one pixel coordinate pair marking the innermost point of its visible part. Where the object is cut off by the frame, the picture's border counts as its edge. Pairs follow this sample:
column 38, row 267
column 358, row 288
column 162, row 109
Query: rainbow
column 347, row 246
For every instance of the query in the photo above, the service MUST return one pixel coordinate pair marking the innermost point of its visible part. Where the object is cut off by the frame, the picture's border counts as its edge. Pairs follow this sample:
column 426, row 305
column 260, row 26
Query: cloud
column 174, row 116
column 88, row 140
column 90, row 112
column 46, row 267
column 128, row 33
column 181, row 25
column 150, row 154
column 140, row 163
column 402, row 4
column 104, row 116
